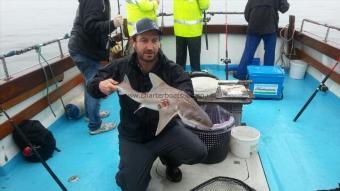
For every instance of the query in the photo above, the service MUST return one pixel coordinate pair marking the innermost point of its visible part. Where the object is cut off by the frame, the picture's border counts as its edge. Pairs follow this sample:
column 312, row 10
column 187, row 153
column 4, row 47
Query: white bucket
column 244, row 141
column 297, row 69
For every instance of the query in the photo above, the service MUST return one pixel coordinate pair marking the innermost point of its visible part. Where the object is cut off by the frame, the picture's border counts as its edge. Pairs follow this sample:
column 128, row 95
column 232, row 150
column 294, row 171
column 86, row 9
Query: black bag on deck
column 41, row 138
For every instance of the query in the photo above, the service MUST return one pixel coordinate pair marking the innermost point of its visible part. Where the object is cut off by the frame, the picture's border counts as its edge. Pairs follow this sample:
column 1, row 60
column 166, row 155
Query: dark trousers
column 175, row 146
column 252, row 41
column 194, row 46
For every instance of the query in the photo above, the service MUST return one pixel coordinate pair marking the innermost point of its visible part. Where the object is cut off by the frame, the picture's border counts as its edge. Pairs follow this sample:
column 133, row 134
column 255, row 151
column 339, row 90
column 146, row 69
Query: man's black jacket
column 91, row 28
column 140, row 126
column 262, row 15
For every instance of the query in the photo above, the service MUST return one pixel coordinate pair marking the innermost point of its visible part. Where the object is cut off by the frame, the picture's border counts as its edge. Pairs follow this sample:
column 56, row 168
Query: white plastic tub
column 297, row 69
column 244, row 141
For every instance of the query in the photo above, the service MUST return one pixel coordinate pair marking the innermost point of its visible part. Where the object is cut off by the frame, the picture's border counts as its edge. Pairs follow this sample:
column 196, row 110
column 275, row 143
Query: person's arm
column 92, row 14
column 247, row 12
column 283, row 6
column 103, row 83
column 147, row 5
column 204, row 4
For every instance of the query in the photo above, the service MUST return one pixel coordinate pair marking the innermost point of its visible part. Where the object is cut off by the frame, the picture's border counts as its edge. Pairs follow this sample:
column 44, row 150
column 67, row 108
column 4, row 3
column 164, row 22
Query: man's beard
column 146, row 57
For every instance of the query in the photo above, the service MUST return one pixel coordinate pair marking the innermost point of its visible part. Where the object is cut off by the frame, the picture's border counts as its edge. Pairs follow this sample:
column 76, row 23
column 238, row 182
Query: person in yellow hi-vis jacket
column 139, row 9
column 188, row 25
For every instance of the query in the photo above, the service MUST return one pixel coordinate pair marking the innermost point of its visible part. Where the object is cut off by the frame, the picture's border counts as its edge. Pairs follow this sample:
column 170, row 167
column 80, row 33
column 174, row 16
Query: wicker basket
column 217, row 139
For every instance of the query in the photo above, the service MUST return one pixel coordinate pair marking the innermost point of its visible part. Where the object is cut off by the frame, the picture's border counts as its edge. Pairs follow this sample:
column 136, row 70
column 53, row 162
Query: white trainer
column 105, row 127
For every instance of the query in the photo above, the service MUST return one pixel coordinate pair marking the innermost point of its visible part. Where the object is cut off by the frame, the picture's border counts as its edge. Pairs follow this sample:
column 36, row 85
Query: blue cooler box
column 267, row 81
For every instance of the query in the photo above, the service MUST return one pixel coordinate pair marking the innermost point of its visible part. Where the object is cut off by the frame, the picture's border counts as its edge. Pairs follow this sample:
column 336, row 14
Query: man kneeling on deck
column 138, row 144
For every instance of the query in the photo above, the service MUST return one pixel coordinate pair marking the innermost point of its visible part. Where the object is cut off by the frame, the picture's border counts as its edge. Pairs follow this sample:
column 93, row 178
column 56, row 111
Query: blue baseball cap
column 145, row 25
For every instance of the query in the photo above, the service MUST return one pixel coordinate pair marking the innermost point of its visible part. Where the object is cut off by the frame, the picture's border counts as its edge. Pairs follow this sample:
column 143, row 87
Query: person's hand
column 108, row 86
column 163, row 104
column 118, row 21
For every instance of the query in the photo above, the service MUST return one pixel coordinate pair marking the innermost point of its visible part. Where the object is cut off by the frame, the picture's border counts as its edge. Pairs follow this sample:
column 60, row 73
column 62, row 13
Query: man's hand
column 108, row 86
column 118, row 21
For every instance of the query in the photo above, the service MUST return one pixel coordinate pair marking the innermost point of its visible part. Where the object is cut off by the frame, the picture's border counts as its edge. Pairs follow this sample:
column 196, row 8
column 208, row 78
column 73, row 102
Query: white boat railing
column 321, row 24
column 28, row 49
column 208, row 12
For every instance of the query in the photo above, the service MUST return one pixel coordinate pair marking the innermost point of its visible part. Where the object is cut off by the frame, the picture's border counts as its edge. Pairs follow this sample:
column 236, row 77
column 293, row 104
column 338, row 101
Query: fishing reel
column 110, row 42
column 322, row 87
column 206, row 19
column 114, row 46
column 226, row 60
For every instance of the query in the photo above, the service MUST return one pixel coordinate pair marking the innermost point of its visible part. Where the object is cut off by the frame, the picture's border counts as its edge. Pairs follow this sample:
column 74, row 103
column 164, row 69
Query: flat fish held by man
column 180, row 103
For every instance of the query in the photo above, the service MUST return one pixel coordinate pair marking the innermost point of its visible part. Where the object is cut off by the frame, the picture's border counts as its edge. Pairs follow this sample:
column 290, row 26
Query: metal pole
column 21, row 51
column 121, row 30
column 327, row 33
column 60, row 49
column 301, row 28
column 3, row 61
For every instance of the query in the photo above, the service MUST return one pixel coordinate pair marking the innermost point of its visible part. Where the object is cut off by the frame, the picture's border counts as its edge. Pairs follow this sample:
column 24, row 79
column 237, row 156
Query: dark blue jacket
column 262, row 15
column 91, row 28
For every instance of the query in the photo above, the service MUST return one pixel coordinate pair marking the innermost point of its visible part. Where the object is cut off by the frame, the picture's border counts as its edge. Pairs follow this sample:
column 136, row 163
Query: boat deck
column 247, row 170
column 302, row 155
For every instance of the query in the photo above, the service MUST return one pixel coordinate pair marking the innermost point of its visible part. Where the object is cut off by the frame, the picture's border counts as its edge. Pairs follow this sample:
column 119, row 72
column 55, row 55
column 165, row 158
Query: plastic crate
column 267, row 81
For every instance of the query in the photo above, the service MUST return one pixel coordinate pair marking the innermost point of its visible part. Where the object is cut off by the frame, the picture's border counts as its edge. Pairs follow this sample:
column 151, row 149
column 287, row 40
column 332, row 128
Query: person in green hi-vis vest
column 188, row 26
column 139, row 9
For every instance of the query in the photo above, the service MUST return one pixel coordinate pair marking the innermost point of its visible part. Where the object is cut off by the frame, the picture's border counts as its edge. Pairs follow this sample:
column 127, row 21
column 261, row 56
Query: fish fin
column 165, row 115
column 124, row 85
column 155, row 80
column 140, row 107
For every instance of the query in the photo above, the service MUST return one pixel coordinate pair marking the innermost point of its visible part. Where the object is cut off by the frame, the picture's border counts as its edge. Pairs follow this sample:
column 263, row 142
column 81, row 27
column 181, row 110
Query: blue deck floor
column 302, row 155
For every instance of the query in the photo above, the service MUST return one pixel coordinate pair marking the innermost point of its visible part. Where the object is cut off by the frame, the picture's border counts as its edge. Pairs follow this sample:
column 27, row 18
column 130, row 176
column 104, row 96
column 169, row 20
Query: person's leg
column 136, row 161
column 181, row 51
column 269, row 48
column 252, row 42
column 177, row 145
column 88, row 68
column 194, row 45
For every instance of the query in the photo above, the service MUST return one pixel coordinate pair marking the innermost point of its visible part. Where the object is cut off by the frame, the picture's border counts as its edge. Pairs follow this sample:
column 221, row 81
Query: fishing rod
column 162, row 20
column 212, row 13
column 206, row 20
column 322, row 87
column 162, row 14
column 121, row 30
column 35, row 152
column 226, row 60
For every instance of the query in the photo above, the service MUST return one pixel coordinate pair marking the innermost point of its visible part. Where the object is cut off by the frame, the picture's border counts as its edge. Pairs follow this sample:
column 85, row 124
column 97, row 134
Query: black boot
column 173, row 174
